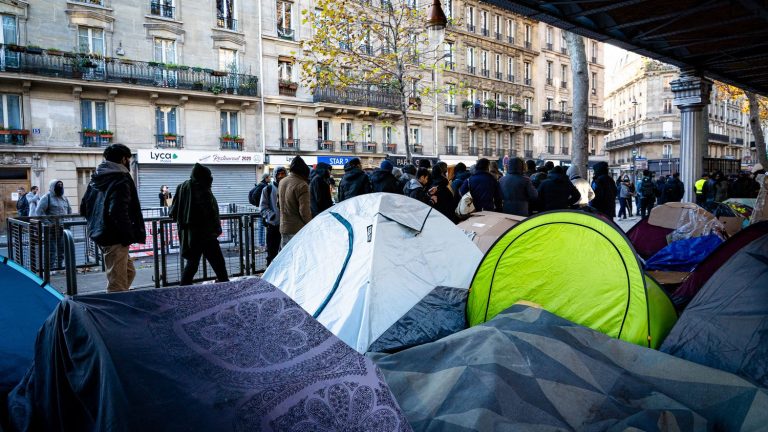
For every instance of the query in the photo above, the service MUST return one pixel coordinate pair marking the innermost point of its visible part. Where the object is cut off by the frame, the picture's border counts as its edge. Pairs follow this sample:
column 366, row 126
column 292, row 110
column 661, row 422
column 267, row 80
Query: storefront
column 234, row 173
column 335, row 161
column 402, row 160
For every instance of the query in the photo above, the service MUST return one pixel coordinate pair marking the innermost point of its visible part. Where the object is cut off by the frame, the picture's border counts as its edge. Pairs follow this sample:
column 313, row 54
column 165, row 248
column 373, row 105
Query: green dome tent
column 575, row 265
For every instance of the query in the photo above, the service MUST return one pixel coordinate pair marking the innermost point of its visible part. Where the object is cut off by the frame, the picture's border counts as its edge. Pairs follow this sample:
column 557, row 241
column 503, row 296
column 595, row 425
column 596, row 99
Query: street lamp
column 634, row 142
column 436, row 22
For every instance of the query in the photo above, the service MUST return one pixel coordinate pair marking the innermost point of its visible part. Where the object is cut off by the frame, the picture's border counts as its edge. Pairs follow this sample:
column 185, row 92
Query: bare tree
column 580, row 102
column 755, row 122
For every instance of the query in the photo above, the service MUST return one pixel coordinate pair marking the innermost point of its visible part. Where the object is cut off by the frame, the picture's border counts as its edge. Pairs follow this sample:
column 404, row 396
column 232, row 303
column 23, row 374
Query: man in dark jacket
column 320, row 189
column 196, row 212
column 417, row 188
column 557, row 192
column 486, row 194
column 382, row 179
column 270, row 214
column 673, row 189
column 254, row 196
column 111, row 206
column 442, row 194
column 648, row 194
column 517, row 191
column 355, row 182
column 409, row 173
column 460, row 175
column 605, row 191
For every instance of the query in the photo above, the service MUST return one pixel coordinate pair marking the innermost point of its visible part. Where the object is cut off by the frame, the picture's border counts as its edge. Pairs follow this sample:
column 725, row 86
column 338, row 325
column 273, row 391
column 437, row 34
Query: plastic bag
column 693, row 223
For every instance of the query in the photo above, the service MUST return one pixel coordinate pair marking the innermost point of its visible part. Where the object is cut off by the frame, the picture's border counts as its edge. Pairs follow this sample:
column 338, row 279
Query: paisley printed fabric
column 237, row 356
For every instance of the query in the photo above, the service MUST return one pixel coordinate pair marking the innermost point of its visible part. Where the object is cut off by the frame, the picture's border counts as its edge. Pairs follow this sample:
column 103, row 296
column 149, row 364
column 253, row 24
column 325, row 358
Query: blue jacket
column 486, row 194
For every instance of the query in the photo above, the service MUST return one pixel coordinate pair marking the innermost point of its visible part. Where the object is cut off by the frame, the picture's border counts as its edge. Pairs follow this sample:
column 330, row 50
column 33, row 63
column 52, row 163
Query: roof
column 726, row 40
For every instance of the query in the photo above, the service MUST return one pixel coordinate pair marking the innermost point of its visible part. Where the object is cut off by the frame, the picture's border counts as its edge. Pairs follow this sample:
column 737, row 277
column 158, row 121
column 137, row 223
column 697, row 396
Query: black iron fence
column 60, row 245
column 364, row 97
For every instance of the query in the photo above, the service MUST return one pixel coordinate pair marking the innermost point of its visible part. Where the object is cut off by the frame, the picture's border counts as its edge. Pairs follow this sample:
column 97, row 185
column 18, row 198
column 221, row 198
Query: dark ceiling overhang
column 724, row 40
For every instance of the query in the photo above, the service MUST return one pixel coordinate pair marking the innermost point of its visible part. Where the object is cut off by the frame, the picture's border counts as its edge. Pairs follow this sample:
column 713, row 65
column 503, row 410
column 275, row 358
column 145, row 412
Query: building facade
column 647, row 125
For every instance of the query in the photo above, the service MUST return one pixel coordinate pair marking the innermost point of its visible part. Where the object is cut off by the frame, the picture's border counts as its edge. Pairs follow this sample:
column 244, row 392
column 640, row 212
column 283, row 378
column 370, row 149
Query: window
column 485, row 96
column 367, row 133
column 527, row 71
column 472, row 138
column 510, row 68
column 451, row 90
column 472, row 95
column 549, row 72
column 448, row 9
column 528, row 35
column 229, row 124
column 527, row 104
column 163, row 8
column 486, row 140
column 593, row 110
column 499, row 141
column 470, row 18
column 498, row 65
column 484, row 60
column 10, row 105
column 563, row 42
column 667, row 106
column 497, row 27
column 346, row 131
column 564, row 73
column 470, row 57
column 592, row 144
column 228, row 60
column 666, row 151
column 510, row 100
column 164, row 50
column 9, row 35
column 415, row 136
column 90, row 40
column 593, row 45
column 548, row 37
column 323, row 130
column 666, row 129
column 564, row 143
column 93, row 114
column 285, row 71
column 451, row 136
column 510, row 30
column 550, row 142
column 165, row 120
column 287, row 129
column 225, row 14
column 550, row 104
column 528, row 144
column 484, row 15
column 563, row 105
column 386, row 134
column 448, row 48
column 284, row 19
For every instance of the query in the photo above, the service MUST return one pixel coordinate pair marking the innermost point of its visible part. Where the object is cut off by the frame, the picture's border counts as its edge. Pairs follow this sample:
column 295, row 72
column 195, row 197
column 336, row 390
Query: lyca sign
column 189, row 157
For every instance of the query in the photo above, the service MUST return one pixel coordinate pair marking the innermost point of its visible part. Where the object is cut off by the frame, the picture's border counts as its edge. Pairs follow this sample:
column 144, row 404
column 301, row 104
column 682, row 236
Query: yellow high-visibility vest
column 700, row 186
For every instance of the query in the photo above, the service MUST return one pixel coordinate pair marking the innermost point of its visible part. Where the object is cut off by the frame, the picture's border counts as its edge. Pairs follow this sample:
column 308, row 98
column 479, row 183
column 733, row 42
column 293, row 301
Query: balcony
column 548, row 46
column 473, row 151
column 93, row 69
column 348, row 146
column 595, row 122
column 325, row 145
column 737, row 142
column 390, row 148
column 498, row 36
column 13, row 136
column 564, row 84
column 471, row 70
column 290, row 144
column 564, row 150
column 92, row 2
column 287, row 88
column 370, row 147
column 495, row 115
column 528, row 154
column 719, row 138
column 560, row 117
column 286, row 33
column 169, row 141
column 358, row 96
column 451, row 150
column 486, row 73
column 416, row 148
column 594, row 60
column 499, row 75
column 226, row 22
column 162, row 9
column 564, row 50
column 527, row 81
column 510, row 78
column 528, row 45
column 95, row 138
column 549, row 81
column 642, row 137
column 485, row 32
column 511, row 40
column 449, row 65
column 450, row 108
column 487, row 151
column 231, row 142
column 471, row 28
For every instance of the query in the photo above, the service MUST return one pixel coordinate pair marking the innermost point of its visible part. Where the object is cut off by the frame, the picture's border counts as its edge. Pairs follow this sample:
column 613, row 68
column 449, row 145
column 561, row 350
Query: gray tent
column 726, row 324
column 528, row 369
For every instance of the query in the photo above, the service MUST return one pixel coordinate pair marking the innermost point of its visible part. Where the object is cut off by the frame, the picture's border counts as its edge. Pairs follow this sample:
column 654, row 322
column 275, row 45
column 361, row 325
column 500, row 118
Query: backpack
column 254, row 196
column 22, row 204
column 647, row 188
column 93, row 209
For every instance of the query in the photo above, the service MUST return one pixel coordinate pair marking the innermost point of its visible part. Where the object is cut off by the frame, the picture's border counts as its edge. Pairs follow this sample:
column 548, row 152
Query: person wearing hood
column 293, row 200
column 270, row 213
column 587, row 194
column 113, row 211
column 196, row 212
column 460, row 175
column 33, row 197
column 557, row 192
column 355, row 181
column 54, row 203
column 382, row 180
column 530, row 168
column 486, row 195
column 320, row 198
column 605, row 191
column 409, row 173
column 417, row 188
column 673, row 190
column 517, row 191
column 442, row 194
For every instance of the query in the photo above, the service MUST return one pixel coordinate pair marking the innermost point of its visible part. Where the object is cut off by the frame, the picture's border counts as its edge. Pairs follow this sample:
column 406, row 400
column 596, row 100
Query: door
column 165, row 53
column 9, row 35
column 11, row 179
column 91, row 41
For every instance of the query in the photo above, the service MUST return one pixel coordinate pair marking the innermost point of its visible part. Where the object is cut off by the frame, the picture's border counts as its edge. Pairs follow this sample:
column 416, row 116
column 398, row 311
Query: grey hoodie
column 32, row 199
column 52, row 205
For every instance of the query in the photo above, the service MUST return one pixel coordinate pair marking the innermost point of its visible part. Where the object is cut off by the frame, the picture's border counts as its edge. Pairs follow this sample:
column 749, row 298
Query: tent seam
column 351, row 237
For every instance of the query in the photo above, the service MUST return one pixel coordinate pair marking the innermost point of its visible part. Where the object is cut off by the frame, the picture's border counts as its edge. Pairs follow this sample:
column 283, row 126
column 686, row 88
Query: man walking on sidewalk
column 111, row 206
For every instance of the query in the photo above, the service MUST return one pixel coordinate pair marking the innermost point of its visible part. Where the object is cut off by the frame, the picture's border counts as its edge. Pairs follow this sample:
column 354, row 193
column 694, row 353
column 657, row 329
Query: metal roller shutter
column 231, row 183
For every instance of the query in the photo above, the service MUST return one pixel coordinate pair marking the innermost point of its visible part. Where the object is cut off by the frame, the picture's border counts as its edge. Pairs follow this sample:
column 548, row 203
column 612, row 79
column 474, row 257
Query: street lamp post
column 634, row 142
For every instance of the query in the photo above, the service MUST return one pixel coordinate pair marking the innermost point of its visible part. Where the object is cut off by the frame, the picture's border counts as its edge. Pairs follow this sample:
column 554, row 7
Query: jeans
column 212, row 251
column 119, row 266
column 647, row 205
column 629, row 206
column 273, row 242
column 623, row 207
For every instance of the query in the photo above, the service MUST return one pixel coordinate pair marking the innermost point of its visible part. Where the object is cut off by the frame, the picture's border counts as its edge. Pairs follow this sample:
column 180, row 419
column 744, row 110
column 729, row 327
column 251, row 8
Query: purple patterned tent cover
column 236, row 356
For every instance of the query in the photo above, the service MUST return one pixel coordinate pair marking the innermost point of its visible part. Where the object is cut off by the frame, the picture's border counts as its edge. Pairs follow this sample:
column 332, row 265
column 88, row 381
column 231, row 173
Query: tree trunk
column 757, row 129
column 580, row 147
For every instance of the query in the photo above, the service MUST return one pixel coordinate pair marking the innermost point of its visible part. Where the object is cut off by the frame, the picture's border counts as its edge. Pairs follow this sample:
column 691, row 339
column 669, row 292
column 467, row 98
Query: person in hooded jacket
column 355, row 181
column 270, row 212
column 673, row 190
column 113, row 211
column 486, row 194
column 294, row 202
column 382, row 180
column 517, row 191
column 583, row 186
column 409, row 173
column 33, row 197
column 557, row 192
column 320, row 198
column 417, row 188
column 442, row 194
column 54, row 203
column 605, row 191
column 460, row 175
column 196, row 212
column 530, row 168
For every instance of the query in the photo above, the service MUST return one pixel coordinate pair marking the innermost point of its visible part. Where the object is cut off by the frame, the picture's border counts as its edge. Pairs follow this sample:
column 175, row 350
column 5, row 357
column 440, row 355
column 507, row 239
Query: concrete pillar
column 691, row 97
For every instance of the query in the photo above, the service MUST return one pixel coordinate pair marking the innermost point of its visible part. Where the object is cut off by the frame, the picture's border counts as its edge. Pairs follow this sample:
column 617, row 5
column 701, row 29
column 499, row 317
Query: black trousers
column 273, row 242
column 647, row 206
column 212, row 252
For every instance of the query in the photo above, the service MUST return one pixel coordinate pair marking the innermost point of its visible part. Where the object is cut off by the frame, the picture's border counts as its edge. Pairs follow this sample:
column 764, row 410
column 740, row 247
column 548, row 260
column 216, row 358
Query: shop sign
column 190, row 157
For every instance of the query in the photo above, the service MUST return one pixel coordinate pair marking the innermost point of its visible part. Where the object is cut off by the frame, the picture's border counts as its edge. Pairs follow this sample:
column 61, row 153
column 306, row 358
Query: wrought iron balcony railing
column 13, row 137
column 162, row 9
column 471, row 28
column 290, row 144
column 285, row 33
column 498, row 36
column 471, row 70
column 486, row 73
column 528, row 45
column 231, row 144
column 416, row 148
column 391, row 147
column 564, row 150
column 91, row 68
column 226, row 22
column 325, row 145
column 355, row 96
column 488, row 151
column 550, row 149
column 94, row 139
column 499, row 75
column 527, row 81
column 551, row 116
column 370, row 147
column 450, row 108
column 348, row 146
column 528, row 153
column 495, row 115
column 473, row 151
column 643, row 136
column 169, row 141
column 451, row 150
column 599, row 122
column 511, row 39
column 510, row 78
column 719, row 138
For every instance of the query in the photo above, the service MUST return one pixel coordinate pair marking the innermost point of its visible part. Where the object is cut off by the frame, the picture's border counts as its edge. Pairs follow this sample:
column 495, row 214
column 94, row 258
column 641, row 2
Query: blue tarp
column 26, row 301
column 237, row 356
column 683, row 255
